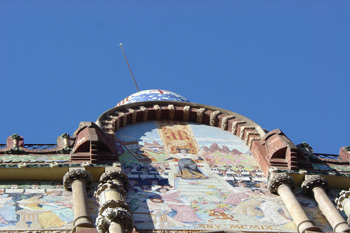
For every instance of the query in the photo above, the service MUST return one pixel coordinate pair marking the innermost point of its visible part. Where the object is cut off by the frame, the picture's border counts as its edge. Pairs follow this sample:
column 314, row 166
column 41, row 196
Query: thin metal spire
column 121, row 46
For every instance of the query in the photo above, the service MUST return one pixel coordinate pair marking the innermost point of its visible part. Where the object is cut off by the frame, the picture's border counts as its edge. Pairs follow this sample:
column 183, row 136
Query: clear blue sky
column 283, row 64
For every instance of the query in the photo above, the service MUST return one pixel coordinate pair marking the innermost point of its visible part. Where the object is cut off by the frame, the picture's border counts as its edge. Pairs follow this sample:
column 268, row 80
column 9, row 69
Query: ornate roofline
column 123, row 115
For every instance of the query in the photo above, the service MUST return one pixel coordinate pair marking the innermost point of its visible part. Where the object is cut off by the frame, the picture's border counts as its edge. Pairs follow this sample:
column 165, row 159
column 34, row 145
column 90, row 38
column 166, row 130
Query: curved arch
column 121, row 116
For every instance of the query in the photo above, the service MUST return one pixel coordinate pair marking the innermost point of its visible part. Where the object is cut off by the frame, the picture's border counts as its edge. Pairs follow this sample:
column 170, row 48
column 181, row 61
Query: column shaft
column 296, row 211
column 115, row 228
column 80, row 206
column 114, row 215
column 328, row 209
column 282, row 184
column 317, row 186
column 77, row 180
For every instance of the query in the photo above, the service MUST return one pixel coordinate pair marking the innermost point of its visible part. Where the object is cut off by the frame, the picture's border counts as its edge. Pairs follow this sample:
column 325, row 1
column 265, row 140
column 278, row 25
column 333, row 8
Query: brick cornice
column 121, row 116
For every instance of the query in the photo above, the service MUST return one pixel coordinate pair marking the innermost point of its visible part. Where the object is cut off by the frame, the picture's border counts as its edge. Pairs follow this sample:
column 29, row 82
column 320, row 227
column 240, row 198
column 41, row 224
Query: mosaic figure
column 238, row 194
column 160, row 212
column 7, row 209
column 184, row 213
column 273, row 213
column 187, row 166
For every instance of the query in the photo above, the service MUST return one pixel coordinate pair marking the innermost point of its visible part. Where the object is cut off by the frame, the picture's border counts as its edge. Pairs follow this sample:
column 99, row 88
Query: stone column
column 317, row 187
column 343, row 203
column 77, row 181
column 114, row 215
column 283, row 184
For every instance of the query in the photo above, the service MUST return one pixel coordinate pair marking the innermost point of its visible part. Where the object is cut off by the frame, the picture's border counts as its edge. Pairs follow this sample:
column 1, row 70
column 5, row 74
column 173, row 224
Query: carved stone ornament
column 123, row 116
column 302, row 171
column 76, row 174
column 158, row 112
column 234, row 126
column 109, row 186
column 224, row 121
column 200, row 113
column 112, row 204
column 243, row 129
column 114, row 174
column 85, row 164
column 343, row 196
column 171, row 111
column 117, row 164
column 145, row 113
column 314, row 181
column 54, row 164
column 117, row 124
column 277, row 180
column 213, row 117
column 186, row 112
column 133, row 115
column 118, row 215
column 22, row 165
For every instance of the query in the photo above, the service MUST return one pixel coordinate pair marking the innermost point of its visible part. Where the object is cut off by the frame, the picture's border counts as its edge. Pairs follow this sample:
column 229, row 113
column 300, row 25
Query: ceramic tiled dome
column 151, row 95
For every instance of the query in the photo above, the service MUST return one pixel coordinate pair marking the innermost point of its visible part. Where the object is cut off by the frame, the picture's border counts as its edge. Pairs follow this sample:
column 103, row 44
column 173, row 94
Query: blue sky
column 283, row 64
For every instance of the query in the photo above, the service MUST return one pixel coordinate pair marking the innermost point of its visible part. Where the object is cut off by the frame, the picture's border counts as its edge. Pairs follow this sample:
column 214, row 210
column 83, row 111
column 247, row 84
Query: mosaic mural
column 187, row 176
column 35, row 158
column 38, row 205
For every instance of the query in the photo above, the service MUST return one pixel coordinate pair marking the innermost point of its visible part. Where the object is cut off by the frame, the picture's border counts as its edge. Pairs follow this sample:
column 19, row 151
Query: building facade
column 159, row 163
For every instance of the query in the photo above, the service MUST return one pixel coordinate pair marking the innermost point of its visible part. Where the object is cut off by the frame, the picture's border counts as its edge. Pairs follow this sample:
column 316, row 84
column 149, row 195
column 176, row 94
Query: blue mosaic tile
column 152, row 95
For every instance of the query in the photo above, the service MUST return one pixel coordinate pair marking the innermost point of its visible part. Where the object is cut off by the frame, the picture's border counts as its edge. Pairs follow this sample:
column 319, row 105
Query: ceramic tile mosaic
column 187, row 176
column 34, row 158
column 151, row 95
column 38, row 205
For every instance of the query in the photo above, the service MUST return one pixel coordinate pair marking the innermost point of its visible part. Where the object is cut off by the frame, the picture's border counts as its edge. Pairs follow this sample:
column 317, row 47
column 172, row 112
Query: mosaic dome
column 152, row 95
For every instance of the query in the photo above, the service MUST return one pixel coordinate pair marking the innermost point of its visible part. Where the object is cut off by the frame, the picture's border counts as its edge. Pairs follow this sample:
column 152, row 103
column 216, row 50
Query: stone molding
column 186, row 112
column 243, row 129
column 133, row 115
column 112, row 204
column 200, row 113
column 213, row 116
column 118, row 215
column 144, row 113
column 171, row 111
column 224, row 122
column 279, row 179
column 235, row 125
column 158, row 112
column 76, row 174
column 343, row 196
column 314, row 181
column 115, row 174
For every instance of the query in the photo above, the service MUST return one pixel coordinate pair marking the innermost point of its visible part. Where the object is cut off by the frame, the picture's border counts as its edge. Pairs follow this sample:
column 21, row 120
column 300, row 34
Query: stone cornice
column 121, row 116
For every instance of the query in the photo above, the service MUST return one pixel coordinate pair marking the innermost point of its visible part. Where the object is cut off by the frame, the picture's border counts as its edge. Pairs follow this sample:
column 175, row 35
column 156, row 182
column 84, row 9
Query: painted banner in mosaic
column 188, row 176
